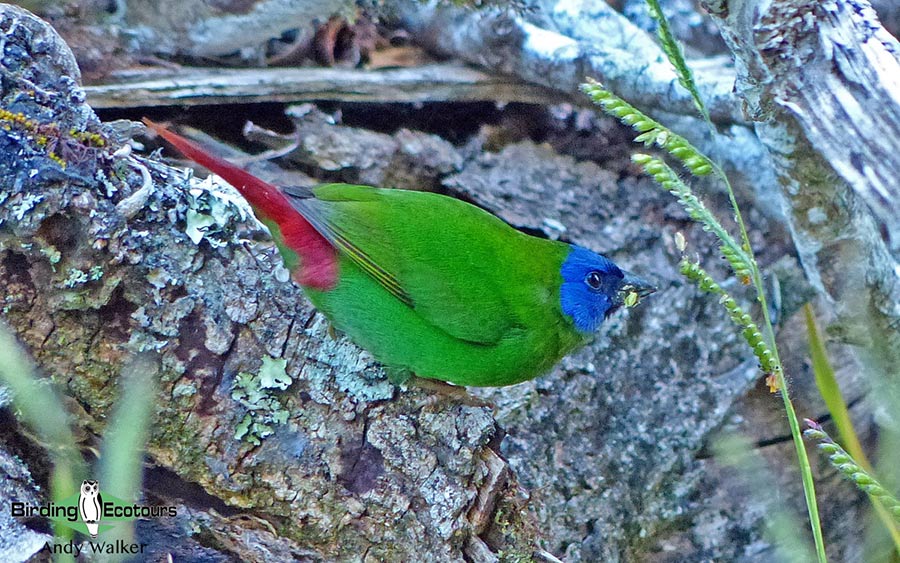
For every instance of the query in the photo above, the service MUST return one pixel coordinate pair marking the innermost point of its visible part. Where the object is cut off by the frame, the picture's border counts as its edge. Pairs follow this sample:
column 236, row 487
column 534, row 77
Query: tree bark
column 560, row 53
column 299, row 445
column 821, row 81
column 223, row 27
column 430, row 83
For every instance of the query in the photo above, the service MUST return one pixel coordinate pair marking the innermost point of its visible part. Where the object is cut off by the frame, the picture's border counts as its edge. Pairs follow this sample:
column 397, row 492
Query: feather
column 301, row 199
column 318, row 258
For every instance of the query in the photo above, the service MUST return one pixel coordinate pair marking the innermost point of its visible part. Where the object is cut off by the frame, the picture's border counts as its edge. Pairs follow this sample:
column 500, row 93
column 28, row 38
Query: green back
column 438, row 286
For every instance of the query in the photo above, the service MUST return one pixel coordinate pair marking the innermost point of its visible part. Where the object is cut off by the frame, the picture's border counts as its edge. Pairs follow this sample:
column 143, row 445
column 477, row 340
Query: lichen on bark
column 588, row 462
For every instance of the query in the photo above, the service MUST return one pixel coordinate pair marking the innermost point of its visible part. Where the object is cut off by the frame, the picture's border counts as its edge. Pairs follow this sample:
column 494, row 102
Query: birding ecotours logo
column 90, row 506
column 90, row 510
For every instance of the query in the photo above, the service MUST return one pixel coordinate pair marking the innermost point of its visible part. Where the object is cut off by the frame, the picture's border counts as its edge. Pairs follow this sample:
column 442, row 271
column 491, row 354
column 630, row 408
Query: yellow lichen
column 44, row 133
column 57, row 159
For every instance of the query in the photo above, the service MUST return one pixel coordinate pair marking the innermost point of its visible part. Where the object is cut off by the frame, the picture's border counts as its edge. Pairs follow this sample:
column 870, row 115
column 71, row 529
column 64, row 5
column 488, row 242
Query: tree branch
column 821, row 79
column 206, row 86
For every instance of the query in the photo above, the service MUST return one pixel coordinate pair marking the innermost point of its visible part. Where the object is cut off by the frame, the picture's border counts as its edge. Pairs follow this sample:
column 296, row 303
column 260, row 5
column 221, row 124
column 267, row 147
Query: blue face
column 591, row 288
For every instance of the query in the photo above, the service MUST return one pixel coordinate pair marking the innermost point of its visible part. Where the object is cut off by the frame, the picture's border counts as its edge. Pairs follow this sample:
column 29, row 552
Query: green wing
column 459, row 267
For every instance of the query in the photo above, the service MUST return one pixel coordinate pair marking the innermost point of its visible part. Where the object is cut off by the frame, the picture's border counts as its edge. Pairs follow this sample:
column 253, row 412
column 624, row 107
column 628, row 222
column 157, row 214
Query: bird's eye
column 594, row 280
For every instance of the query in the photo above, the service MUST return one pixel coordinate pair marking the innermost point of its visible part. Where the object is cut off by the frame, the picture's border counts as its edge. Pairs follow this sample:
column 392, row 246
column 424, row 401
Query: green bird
column 429, row 284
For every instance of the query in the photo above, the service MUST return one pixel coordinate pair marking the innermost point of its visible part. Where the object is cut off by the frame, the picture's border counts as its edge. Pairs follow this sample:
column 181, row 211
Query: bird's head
column 594, row 287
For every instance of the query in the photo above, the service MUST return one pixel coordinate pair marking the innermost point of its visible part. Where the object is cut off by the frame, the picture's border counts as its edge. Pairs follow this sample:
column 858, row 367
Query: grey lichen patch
column 77, row 277
column 212, row 213
column 159, row 278
column 396, row 438
column 165, row 319
column 219, row 334
column 255, row 393
column 23, row 203
column 83, row 290
column 463, row 429
column 354, row 370
column 184, row 389
column 366, row 385
column 447, row 497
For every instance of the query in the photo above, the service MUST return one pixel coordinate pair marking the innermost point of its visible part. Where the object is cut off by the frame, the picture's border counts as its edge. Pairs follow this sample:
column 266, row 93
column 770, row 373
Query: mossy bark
column 300, row 447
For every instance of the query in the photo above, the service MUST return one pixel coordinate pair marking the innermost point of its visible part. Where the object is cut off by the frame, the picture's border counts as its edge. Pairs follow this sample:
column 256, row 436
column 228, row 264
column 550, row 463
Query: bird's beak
column 633, row 289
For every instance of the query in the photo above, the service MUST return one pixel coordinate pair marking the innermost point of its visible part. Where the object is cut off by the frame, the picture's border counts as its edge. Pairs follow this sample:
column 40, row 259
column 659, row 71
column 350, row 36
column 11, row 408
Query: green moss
column 92, row 385
column 513, row 532
column 514, row 557
column 175, row 439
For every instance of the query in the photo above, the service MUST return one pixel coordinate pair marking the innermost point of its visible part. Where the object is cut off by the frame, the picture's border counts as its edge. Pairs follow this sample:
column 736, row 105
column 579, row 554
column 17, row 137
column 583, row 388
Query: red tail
column 318, row 259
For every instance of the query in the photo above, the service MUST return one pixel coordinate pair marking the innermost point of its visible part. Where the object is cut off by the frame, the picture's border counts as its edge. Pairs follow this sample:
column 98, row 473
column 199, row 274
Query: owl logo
column 89, row 506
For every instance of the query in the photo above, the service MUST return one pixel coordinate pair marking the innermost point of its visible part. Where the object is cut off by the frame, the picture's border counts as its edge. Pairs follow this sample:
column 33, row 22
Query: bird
column 89, row 506
column 433, row 287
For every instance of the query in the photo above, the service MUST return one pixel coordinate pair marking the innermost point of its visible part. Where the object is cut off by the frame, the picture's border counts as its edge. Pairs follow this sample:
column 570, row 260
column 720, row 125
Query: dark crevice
column 202, row 365
column 15, row 270
column 17, row 444
column 60, row 231
column 166, row 485
column 364, row 464
column 115, row 316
